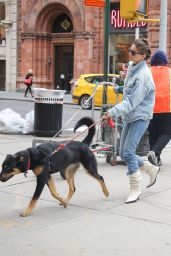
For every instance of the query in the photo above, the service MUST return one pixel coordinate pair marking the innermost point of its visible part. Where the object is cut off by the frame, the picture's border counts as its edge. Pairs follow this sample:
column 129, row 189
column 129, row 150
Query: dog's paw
column 107, row 194
column 105, row 191
column 64, row 204
column 24, row 213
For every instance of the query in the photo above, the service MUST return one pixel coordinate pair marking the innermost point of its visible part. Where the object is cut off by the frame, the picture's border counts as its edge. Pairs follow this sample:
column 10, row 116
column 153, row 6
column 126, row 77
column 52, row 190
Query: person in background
column 160, row 126
column 28, row 82
column 136, row 110
column 119, row 83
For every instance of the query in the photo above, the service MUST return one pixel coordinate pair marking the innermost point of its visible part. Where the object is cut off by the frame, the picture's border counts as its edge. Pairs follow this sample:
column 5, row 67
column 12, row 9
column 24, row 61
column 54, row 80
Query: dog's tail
column 91, row 132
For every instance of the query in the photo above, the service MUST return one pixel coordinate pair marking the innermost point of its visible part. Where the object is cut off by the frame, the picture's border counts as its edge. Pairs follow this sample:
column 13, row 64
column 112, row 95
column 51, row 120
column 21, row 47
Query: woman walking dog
column 136, row 110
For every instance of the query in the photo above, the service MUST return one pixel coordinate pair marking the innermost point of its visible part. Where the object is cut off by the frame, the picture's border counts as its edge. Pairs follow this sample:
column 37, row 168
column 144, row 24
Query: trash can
column 48, row 110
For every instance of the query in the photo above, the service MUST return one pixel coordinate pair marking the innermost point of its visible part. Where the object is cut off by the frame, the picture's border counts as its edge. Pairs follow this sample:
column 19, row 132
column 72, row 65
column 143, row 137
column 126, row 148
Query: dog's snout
column 4, row 177
column 1, row 178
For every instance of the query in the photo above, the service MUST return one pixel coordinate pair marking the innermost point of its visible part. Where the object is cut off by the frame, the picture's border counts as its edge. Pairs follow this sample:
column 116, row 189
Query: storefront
column 61, row 41
column 122, row 34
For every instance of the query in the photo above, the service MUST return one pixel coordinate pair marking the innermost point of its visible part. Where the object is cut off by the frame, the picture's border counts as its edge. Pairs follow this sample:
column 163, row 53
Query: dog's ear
column 20, row 158
column 10, row 157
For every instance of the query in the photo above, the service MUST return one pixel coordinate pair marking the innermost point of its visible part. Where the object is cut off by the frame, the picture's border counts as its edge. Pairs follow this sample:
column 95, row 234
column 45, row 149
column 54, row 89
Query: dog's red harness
column 28, row 164
column 28, row 167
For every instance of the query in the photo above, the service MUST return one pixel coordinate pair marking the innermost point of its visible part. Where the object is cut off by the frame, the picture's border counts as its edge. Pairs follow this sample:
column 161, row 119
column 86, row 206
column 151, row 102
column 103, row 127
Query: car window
column 111, row 78
column 90, row 79
column 96, row 79
column 99, row 79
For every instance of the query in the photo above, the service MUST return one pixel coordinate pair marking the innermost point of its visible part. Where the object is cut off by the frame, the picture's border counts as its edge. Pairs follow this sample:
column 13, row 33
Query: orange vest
column 162, row 79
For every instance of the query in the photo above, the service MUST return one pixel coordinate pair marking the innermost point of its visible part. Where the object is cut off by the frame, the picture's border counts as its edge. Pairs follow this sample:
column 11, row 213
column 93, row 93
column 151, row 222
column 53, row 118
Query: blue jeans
column 130, row 138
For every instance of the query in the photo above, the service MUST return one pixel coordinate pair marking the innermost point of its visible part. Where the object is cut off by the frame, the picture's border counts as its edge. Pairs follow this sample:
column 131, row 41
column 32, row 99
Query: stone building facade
column 60, row 40
column 8, row 45
column 154, row 28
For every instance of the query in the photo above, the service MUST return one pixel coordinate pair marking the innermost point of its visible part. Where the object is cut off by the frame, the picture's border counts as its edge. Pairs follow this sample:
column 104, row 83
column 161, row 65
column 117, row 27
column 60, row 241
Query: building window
column 62, row 24
column 119, row 45
column 122, row 35
column 2, row 17
column 2, row 11
column 2, row 35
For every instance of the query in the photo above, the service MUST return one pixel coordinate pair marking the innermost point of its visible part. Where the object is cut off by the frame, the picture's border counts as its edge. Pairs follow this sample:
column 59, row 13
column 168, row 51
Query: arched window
column 62, row 24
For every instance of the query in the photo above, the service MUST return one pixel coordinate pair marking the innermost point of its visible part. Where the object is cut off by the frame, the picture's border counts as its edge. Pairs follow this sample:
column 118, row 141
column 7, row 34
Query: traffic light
column 133, row 9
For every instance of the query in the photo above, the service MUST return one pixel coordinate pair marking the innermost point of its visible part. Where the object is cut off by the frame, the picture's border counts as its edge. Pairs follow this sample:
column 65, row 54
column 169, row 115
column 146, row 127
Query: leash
column 80, row 109
column 61, row 146
column 110, row 122
column 76, row 113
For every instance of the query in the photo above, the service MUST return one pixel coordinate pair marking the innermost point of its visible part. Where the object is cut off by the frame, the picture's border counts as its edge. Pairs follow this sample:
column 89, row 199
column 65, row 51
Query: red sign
column 97, row 3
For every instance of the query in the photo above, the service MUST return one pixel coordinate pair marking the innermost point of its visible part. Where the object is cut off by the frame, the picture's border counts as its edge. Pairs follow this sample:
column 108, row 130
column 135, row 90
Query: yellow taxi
column 84, row 87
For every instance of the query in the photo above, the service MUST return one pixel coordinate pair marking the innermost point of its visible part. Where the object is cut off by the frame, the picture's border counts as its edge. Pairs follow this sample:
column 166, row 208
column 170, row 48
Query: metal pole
column 106, row 49
column 92, row 109
column 137, row 33
column 163, row 26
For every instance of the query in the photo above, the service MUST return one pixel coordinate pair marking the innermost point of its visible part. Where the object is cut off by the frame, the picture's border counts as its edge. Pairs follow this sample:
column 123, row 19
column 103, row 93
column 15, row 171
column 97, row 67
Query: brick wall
column 36, row 43
column 154, row 28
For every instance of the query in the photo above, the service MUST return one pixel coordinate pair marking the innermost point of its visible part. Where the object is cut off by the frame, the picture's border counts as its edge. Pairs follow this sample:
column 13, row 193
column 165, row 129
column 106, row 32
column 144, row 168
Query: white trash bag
column 29, row 123
column 12, row 122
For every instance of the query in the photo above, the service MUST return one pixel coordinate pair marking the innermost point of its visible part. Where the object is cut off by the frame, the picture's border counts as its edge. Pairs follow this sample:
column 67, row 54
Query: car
column 83, row 89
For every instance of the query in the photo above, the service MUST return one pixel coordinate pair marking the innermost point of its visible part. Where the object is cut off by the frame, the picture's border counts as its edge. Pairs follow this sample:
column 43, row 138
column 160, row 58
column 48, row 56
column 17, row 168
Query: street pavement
column 91, row 224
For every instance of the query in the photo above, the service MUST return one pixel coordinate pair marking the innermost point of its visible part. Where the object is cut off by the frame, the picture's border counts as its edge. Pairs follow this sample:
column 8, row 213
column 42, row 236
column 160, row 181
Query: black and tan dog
column 43, row 162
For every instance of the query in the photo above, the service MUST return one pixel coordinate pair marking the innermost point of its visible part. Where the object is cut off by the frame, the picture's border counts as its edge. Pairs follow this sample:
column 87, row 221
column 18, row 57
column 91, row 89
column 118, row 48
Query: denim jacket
column 138, row 95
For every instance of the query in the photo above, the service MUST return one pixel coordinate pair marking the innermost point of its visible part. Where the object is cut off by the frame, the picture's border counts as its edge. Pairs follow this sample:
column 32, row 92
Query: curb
column 32, row 100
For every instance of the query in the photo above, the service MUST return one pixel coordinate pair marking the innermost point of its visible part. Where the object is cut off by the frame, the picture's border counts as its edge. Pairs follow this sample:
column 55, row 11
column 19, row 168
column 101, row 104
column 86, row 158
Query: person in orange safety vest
column 160, row 125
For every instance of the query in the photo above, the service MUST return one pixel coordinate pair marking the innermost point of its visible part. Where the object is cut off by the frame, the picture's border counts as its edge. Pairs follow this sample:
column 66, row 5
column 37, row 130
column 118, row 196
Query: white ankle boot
column 135, row 187
column 151, row 170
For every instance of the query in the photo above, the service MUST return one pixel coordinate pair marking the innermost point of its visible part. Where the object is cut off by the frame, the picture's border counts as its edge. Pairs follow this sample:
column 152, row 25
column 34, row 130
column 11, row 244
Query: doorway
column 2, row 75
column 64, row 57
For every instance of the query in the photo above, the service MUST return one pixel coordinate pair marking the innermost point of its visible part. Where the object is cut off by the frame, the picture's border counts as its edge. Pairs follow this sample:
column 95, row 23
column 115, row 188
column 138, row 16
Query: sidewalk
column 20, row 96
column 91, row 225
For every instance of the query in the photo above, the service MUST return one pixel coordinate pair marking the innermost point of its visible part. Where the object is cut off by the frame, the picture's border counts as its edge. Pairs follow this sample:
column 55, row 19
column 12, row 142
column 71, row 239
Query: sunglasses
column 133, row 53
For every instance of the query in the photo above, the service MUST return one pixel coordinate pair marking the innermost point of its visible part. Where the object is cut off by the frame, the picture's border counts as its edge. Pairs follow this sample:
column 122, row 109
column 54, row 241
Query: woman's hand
column 106, row 116
column 107, row 119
